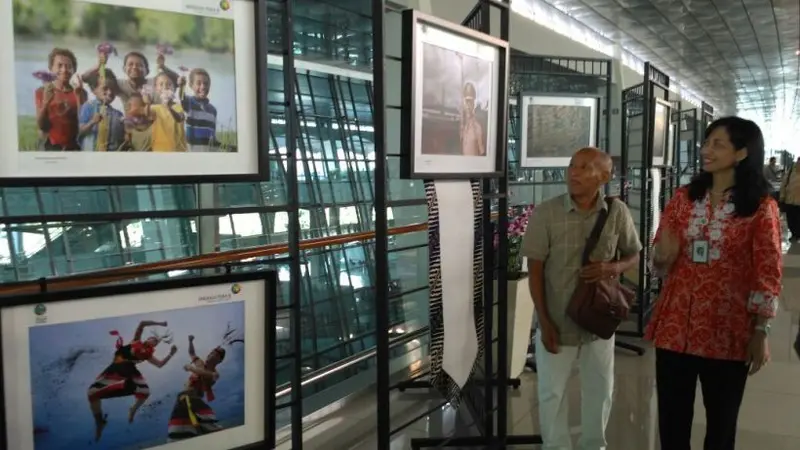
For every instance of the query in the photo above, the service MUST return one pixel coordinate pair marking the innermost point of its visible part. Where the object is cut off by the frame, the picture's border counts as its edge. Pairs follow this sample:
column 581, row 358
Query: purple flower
column 164, row 49
column 44, row 76
column 107, row 49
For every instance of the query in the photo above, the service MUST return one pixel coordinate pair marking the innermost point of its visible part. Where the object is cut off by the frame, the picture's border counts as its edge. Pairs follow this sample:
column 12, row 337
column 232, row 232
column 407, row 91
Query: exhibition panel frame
column 224, row 321
column 687, row 152
column 559, row 77
column 471, row 382
column 451, row 130
column 73, row 121
column 203, row 199
column 649, row 180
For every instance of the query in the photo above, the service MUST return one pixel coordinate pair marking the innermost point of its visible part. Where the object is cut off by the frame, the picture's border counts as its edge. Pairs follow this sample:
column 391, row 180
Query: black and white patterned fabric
column 440, row 380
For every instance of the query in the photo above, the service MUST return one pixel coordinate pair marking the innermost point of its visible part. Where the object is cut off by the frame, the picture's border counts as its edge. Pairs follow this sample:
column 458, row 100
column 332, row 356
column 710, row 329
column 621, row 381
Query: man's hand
column 550, row 336
column 597, row 271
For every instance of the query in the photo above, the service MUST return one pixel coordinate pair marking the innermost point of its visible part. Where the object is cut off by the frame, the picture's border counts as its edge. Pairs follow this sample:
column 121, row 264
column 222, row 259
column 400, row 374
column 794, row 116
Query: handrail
column 193, row 262
column 311, row 378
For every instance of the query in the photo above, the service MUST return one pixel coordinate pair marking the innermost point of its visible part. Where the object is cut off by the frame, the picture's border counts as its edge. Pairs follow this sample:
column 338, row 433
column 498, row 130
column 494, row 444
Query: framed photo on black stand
column 454, row 100
column 135, row 92
column 662, row 153
column 177, row 364
column 554, row 127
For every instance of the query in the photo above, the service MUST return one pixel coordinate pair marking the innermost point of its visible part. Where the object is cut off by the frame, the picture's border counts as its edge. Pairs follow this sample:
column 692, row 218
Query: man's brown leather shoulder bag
column 599, row 307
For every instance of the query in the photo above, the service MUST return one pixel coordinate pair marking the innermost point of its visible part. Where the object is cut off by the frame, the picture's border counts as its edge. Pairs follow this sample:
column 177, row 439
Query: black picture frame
column 270, row 281
column 408, row 148
column 260, row 173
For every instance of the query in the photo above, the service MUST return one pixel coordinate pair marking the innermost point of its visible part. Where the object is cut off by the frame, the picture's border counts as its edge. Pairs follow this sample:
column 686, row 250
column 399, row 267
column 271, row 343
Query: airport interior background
column 741, row 57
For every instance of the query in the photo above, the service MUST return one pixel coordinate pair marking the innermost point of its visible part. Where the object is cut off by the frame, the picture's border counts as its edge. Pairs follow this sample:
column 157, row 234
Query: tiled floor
column 769, row 419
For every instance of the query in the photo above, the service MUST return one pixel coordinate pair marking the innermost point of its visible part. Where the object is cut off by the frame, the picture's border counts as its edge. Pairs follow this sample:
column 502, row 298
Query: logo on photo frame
column 224, row 5
column 41, row 313
column 236, row 288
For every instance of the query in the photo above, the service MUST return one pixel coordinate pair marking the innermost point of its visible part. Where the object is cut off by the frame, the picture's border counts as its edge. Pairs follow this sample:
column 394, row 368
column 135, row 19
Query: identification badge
column 700, row 252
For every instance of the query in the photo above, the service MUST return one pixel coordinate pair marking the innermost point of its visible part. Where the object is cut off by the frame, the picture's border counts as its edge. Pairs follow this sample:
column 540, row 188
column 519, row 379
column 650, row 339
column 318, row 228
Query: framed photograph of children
column 662, row 152
column 171, row 365
column 455, row 104
column 553, row 128
column 133, row 92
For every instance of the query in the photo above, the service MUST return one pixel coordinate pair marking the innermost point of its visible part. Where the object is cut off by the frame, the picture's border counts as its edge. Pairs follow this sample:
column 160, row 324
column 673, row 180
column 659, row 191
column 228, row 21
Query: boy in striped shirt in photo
column 201, row 115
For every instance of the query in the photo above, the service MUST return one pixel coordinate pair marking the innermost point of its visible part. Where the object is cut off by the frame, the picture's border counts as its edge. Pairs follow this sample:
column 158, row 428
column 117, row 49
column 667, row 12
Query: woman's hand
column 757, row 352
column 667, row 249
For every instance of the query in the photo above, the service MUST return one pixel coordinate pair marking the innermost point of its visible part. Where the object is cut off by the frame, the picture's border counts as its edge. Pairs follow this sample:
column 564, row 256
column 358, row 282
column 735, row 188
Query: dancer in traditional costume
column 122, row 378
column 191, row 415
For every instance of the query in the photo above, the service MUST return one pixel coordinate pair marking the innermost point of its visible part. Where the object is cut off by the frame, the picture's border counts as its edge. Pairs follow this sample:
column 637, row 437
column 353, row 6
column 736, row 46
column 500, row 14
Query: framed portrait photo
column 170, row 365
column 662, row 153
column 133, row 92
column 455, row 109
column 553, row 128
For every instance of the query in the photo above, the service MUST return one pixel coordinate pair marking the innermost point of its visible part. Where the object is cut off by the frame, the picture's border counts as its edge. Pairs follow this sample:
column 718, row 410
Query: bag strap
column 594, row 236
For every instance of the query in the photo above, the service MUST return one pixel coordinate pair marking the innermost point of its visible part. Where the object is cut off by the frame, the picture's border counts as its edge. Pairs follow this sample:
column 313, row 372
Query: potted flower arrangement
column 517, row 224
column 518, row 302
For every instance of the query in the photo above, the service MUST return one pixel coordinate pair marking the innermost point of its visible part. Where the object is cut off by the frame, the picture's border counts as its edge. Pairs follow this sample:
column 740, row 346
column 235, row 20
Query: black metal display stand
column 638, row 107
column 494, row 420
column 687, row 144
column 552, row 76
column 226, row 279
column 294, row 307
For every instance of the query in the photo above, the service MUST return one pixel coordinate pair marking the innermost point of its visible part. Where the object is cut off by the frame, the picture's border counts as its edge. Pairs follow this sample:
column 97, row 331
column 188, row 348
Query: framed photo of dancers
column 553, row 128
column 133, row 92
column 169, row 365
column 454, row 106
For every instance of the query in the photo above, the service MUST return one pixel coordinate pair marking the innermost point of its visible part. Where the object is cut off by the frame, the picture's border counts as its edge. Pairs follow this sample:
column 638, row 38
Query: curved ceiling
column 739, row 55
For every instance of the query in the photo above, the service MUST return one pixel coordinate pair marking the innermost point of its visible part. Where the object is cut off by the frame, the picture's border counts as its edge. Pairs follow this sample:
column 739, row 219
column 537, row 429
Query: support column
column 615, row 117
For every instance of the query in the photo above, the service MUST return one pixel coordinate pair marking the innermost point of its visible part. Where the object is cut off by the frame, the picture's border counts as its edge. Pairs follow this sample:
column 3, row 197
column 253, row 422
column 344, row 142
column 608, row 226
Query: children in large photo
column 138, row 381
column 98, row 77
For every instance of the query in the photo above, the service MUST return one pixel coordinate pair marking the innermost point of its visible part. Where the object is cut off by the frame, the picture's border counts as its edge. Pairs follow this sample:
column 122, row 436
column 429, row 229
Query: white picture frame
column 559, row 153
column 229, row 312
column 37, row 152
column 662, row 154
column 436, row 143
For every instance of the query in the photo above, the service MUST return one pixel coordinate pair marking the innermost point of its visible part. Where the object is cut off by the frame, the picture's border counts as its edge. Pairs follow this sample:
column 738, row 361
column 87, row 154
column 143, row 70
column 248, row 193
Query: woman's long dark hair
column 750, row 187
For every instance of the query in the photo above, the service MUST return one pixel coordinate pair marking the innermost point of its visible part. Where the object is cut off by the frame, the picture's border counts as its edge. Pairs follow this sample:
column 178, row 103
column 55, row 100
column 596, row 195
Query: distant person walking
column 773, row 175
column 789, row 199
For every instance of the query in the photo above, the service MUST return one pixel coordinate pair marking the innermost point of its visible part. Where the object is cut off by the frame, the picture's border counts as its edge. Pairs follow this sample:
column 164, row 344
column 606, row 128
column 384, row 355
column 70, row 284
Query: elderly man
column 554, row 244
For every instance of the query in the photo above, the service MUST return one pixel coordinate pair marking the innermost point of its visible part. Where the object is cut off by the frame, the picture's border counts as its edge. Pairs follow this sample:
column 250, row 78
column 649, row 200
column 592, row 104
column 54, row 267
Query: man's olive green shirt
column 556, row 235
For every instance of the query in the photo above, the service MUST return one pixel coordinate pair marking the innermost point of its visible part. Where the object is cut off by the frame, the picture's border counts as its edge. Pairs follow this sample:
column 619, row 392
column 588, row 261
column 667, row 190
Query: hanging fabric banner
column 456, row 283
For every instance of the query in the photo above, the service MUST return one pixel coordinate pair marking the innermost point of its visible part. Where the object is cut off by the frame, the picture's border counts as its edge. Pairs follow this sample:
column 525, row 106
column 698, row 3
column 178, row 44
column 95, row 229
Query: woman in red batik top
column 719, row 249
